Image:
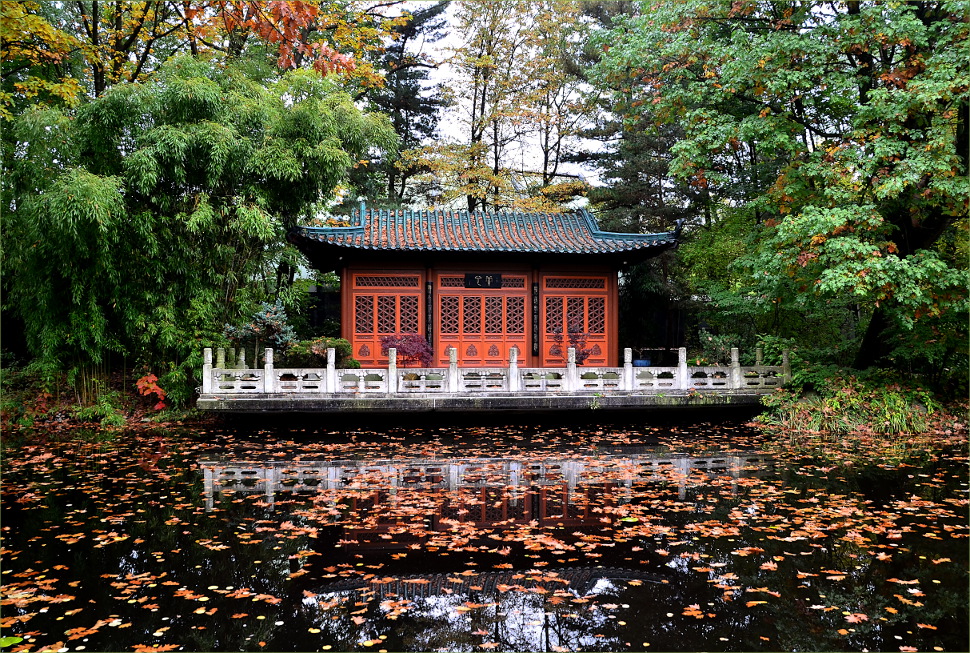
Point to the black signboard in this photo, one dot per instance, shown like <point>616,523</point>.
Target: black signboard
<point>483,280</point>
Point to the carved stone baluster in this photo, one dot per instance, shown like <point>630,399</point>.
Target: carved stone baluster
<point>453,378</point>
<point>514,381</point>
<point>269,376</point>
<point>207,370</point>
<point>627,369</point>
<point>391,370</point>
<point>683,374</point>
<point>330,382</point>
<point>735,381</point>
<point>571,382</point>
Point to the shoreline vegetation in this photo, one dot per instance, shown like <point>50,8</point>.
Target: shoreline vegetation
<point>858,411</point>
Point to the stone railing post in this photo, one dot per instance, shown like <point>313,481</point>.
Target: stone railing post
<point>269,377</point>
<point>206,370</point>
<point>391,370</point>
<point>330,383</point>
<point>452,369</point>
<point>571,380</point>
<point>759,356</point>
<point>514,385</point>
<point>735,369</point>
<point>683,374</point>
<point>220,358</point>
<point>627,369</point>
<point>241,359</point>
<point>785,366</point>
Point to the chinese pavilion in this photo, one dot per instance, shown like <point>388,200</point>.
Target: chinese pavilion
<point>483,282</point>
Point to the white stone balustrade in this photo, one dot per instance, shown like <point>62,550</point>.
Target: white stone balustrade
<point>222,379</point>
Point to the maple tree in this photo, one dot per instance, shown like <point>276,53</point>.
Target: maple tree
<point>332,37</point>
<point>849,123</point>
<point>32,51</point>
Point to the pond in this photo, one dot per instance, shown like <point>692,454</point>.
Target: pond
<point>603,537</point>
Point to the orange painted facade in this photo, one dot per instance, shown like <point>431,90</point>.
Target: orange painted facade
<point>484,311</point>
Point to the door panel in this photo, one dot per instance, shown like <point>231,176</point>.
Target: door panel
<point>483,325</point>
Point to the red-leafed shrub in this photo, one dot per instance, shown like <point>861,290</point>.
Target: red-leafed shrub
<point>148,385</point>
<point>411,348</point>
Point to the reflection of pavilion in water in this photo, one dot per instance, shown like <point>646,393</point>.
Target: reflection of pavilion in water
<point>477,490</point>
<point>583,581</point>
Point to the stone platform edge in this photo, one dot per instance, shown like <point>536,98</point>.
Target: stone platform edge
<point>265,403</point>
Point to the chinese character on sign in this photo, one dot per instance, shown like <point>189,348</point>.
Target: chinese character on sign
<point>474,280</point>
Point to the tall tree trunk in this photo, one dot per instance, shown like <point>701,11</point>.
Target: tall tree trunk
<point>873,347</point>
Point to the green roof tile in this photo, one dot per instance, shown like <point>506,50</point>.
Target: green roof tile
<point>492,231</point>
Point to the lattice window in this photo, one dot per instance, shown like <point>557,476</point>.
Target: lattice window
<point>449,314</point>
<point>493,315</point>
<point>496,506</point>
<point>553,314</point>
<point>386,314</point>
<point>451,282</point>
<point>364,314</point>
<point>386,281</point>
<point>513,282</point>
<point>471,315</point>
<point>409,314</point>
<point>573,283</point>
<point>515,315</point>
<point>596,318</point>
<point>575,318</point>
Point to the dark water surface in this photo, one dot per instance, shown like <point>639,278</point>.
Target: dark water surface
<point>591,537</point>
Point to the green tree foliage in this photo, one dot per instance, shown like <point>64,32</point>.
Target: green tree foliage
<point>408,97</point>
<point>840,127</point>
<point>34,53</point>
<point>638,194</point>
<point>132,224</point>
<point>514,105</point>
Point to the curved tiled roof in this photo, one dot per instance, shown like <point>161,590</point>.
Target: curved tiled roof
<point>481,231</point>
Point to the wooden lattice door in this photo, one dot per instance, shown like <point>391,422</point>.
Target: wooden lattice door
<point>574,314</point>
<point>483,325</point>
<point>383,305</point>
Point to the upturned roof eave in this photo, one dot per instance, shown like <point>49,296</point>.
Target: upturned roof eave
<point>327,256</point>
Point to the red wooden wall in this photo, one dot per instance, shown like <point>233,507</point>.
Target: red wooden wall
<point>484,323</point>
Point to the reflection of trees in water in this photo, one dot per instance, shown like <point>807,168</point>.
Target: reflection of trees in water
<point>540,611</point>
